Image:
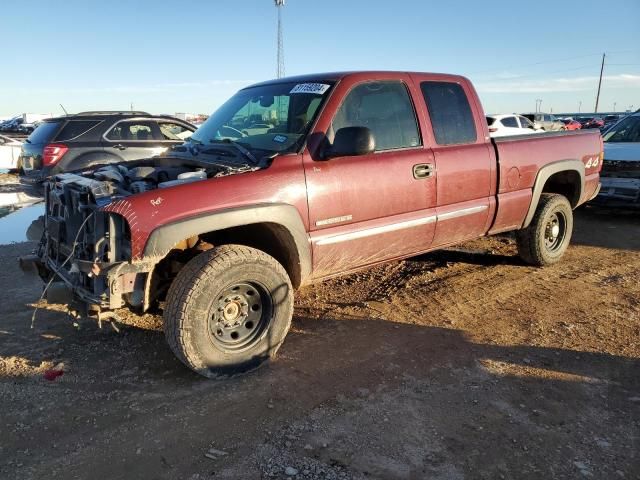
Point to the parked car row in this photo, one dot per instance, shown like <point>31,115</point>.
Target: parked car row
<point>515,124</point>
<point>12,125</point>
<point>24,123</point>
<point>79,141</point>
<point>526,123</point>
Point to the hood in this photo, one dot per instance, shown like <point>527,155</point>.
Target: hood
<point>624,151</point>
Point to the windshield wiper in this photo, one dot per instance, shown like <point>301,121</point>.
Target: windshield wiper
<point>246,153</point>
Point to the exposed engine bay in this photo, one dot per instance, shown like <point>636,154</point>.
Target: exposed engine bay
<point>120,180</point>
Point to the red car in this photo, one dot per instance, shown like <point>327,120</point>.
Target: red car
<point>595,122</point>
<point>571,124</point>
<point>357,169</point>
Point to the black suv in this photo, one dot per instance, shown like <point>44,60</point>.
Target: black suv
<point>79,141</point>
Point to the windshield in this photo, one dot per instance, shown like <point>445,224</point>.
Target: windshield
<point>271,118</point>
<point>627,130</point>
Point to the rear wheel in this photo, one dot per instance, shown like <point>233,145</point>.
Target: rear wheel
<point>546,239</point>
<point>228,310</point>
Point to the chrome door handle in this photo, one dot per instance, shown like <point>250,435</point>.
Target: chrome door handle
<point>423,170</point>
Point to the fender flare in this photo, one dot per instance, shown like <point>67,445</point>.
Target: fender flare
<point>541,179</point>
<point>165,237</point>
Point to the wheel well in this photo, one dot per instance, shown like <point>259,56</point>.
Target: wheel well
<point>565,183</point>
<point>271,238</point>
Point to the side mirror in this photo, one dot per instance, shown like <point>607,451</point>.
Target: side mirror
<point>351,142</point>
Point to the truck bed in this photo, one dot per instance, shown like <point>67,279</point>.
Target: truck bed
<point>519,158</point>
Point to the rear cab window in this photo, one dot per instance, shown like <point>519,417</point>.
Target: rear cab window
<point>385,108</point>
<point>44,132</point>
<point>451,116</point>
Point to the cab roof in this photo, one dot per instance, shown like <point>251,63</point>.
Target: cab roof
<point>336,76</point>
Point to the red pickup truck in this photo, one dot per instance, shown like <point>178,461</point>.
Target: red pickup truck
<point>293,181</point>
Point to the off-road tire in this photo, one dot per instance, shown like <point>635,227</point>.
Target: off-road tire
<point>534,243</point>
<point>198,290</point>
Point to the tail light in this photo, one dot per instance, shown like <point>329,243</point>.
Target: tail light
<point>493,129</point>
<point>53,153</point>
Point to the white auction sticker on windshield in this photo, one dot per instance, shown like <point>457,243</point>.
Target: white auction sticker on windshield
<point>314,88</point>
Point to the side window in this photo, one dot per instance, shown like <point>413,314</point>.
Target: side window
<point>75,128</point>
<point>386,109</point>
<point>525,122</point>
<point>174,131</point>
<point>510,122</point>
<point>450,113</point>
<point>133,131</point>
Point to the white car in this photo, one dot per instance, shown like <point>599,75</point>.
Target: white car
<point>620,176</point>
<point>505,125</point>
<point>9,153</point>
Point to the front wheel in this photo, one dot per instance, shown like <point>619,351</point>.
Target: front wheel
<point>546,239</point>
<point>228,310</point>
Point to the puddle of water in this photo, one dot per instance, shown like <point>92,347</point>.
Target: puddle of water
<point>15,221</point>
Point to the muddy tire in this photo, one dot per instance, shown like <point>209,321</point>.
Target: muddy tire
<point>545,240</point>
<point>228,310</point>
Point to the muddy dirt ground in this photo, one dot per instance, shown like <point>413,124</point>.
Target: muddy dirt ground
<point>461,364</point>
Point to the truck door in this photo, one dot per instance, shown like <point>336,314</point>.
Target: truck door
<point>464,162</point>
<point>374,207</point>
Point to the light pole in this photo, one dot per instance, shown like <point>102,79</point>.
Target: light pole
<point>614,107</point>
<point>579,105</point>
<point>538,104</point>
<point>280,49</point>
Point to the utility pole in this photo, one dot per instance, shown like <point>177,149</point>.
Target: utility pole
<point>599,84</point>
<point>280,68</point>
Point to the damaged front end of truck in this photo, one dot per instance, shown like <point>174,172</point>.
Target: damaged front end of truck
<point>85,253</point>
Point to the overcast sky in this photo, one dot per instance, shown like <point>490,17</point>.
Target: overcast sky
<point>189,56</point>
